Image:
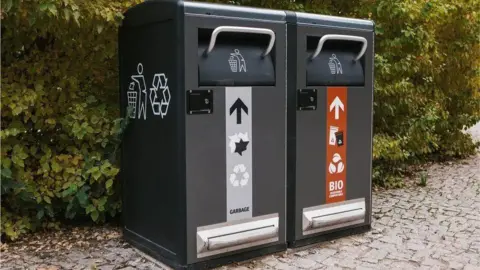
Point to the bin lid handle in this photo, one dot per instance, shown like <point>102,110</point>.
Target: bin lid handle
<point>239,29</point>
<point>341,37</point>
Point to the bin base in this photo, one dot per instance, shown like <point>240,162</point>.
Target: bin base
<point>165,257</point>
<point>329,236</point>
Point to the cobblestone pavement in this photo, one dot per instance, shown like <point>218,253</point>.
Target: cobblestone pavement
<point>431,227</point>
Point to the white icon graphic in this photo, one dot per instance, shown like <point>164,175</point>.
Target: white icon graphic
<point>240,176</point>
<point>335,65</point>
<point>160,83</point>
<point>332,140</point>
<point>237,62</point>
<point>137,95</point>
<point>336,165</point>
<point>139,83</point>
<point>337,104</point>
<point>236,139</point>
<point>132,99</point>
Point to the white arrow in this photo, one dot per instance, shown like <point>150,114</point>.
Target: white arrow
<point>337,105</point>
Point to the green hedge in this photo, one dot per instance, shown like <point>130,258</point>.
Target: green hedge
<point>61,125</point>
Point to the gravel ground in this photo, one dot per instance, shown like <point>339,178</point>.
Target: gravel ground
<point>431,227</point>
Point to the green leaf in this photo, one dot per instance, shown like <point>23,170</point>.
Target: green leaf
<point>66,185</point>
<point>102,201</point>
<point>47,199</point>
<point>105,166</point>
<point>114,171</point>
<point>6,163</point>
<point>94,215</point>
<point>91,99</point>
<point>93,170</point>
<point>94,119</point>
<point>40,214</point>
<point>33,150</point>
<point>109,183</point>
<point>45,166</point>
<point>43,6</point>
<point>6,172</point>
<point>90,208</point>
<point>69,213</point>
<point>10,232</point>
<point>82,197</point>
<point>53,9</point>
<point>96,175</point>
<point>66,193</point>
<point>49,211</point>
<point>18,162</point>
<point>68,189</point>
<point>73,187</point>
<point>56,167</point>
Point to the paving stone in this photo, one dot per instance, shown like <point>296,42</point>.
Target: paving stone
<point>105,267</point>
<point>392,239</point>
<point>334,268</point>
<point>415,246</point>
<point>391,248</point>
<point>330,262</point>
<point>374,255</point>
<point>455,265</point>
<point>239,268</point>
<point>302,253</point>
<point>304,263</point>
<point>348,263</point>
<point>285,266</point>
<point>421,255</point>
<point>471,267</point>
<point>403,265</point>
<point>270,261</point>
<point>367,266</point>
<point>322,254</point>
<point>400,255</point>
<point>432,263</point>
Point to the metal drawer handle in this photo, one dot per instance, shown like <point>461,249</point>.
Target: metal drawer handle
<point>238,29</point>
<point>341,37</point>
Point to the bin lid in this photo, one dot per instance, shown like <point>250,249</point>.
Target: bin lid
<point>151,11</point>
<point>234,11</point>
<point>335,21</point>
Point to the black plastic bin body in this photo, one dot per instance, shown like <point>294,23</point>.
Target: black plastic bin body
<point>330,100</point>
<point>203,158</point>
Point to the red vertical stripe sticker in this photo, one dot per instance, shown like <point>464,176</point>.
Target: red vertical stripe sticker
<point>336,165</point>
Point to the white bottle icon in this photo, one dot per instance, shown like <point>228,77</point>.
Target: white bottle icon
<point>332,140</point>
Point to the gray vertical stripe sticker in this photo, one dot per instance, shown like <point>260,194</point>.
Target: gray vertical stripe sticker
<point>238,107</point>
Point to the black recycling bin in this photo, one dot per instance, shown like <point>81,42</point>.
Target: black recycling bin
<point>204,156</point>
<point>330,101</point>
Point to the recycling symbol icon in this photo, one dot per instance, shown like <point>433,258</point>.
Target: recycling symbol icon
<point>240,176</point>
<point>160,84</point>
<point>336,165</point>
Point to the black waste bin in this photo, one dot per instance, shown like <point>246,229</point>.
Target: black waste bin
<point>203,159</point>
<point>330,100</point>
